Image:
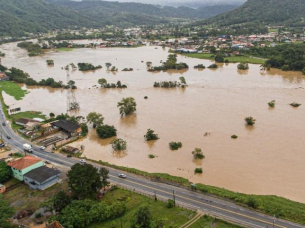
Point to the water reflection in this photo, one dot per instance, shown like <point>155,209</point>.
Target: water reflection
<point>129,120</point>
<point>242,72</point>
<point>119,154</point>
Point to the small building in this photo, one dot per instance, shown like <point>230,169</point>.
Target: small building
<point>30,126</point>
<point>2,188</point>
<point>71,128</point>
<point>24,121</point>
<point>41,178</point>
<point>4,77</point>
<point>24,165</point>
<point>70,149</point>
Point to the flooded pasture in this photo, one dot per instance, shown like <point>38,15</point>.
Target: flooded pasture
<point>267,158</point>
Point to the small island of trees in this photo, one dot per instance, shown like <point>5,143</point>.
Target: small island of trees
<point>213,66</point>
<point>150,135</point>
<point>171,84</point>
<point>50,62</point>
<point>104,84</point>
<point>33,49</point>
<point>199,66</point>
<point>243,66</point>
<point>171,63</point>
<point>87,66</point>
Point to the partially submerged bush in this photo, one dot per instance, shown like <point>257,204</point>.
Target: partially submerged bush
<point>197,153</point>
<point>175,145</point>
<point>234,136</point>
<point>271,104</point>
<point>295,104</point>
<point>198,170</point>
<point>250,120</point>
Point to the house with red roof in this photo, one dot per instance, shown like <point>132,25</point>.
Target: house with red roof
<point>24,165</point>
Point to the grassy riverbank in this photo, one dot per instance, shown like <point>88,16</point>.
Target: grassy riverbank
<point>173,217</point>
<point>268,204</point>
<point>12,89</point>
<point>206,221</point>
<point>232,59</point>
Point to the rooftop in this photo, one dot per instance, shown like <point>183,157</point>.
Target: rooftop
<point>67,125</point>
<point>41,174</point>
<point>24,162</point>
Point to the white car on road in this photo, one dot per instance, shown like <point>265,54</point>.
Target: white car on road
<point>121,175</point>
<point>83,160</point>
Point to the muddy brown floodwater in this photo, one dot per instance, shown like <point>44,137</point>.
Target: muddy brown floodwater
<point>267,158</point>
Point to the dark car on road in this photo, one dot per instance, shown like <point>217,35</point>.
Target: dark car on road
<point>69,156</point>
<point>3,124</point>
<point>8,137</point>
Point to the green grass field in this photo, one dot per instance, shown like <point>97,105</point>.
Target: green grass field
<point>65,49</point>
<point>13,89</point>
<point>233,59</point>
<point>206,221</point>
<point>174,217</point>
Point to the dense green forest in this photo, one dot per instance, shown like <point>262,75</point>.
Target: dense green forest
<point>32,16</point>
<point>114,11</point>
<point>285,57</point>
<point>18,17</point>
<point>266,12</point>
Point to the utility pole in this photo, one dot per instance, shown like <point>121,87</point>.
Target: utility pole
<point>273,221</point>
<point>174,197</point>
<point>155,196</point>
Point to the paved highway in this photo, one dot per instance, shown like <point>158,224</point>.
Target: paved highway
<point>193,200</point>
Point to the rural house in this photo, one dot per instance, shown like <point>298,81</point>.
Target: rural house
<point>24,165</point>
<point>41,178</point>
<point>71,128</point>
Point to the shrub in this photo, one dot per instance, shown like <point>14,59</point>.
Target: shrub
<point>234,136</point>
<point>250,120</point>
<point>271,104</point>
<point>213,66</point>
<point>295,104</point>
<point>151,156</point>
<point>199,66</point>
<point>198,170</point>
<point>150,135</point>
<point>243,66</point>
<point>145,97</point>
<point>197,153</point>
<point>119,144</point>
<point>106,131</point>
<point>175,145</point>
<point>227,61</point>
<point>170,203</point>
<point>219,59</point>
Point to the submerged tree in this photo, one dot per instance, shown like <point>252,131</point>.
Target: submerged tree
<point>127,106</point>
<point>119,145</point>
<point>150,135</point>
<point>197,153</point>
<point>250,120</point>
<point>95,118</point>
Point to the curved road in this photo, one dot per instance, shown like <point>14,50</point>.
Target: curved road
<point>210,205</point>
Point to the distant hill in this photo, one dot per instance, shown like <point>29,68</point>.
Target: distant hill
<point>20,16</point>
<point>267,12</point>
<point>112,10</point>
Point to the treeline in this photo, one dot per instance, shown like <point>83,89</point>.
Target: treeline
<point>285,57</point>
<point>20,76</point>
<point>33,49</point>
<point>87,66</point>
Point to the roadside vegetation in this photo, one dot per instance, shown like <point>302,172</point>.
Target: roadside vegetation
<point>207,221</point>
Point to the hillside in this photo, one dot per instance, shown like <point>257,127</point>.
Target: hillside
<point>31,16</point>
<point>112,10</point>
<point>267,12</point>
<point>18,17</point>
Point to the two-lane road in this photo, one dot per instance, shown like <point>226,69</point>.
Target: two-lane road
<point>197,201</point>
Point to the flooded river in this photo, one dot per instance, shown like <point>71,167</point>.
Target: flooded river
<point>267,158</point>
